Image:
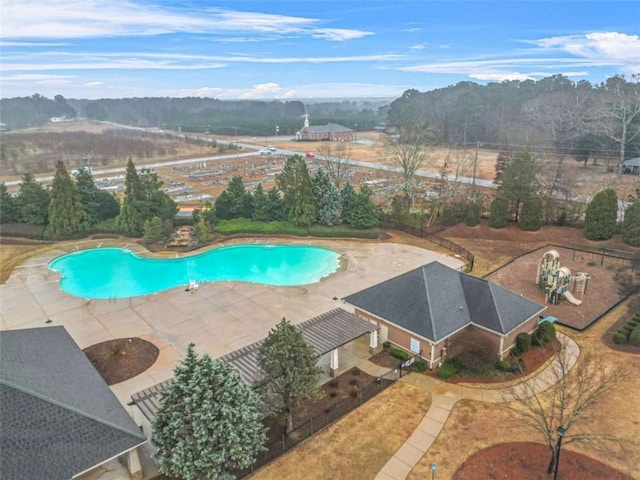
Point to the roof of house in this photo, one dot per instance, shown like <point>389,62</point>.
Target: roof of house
<point>632,162</point>
<point>434,301</point>
<point>59,418</point>
<point>328,128</point>
<point>324,333</point>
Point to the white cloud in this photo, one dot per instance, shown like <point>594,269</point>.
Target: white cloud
<point>98,18</point>
<point>263,90</point>
<point>93,84</point>
<point>418,46</point>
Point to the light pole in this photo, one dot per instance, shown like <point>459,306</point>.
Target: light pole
<point>433,471</point>
<point>555,458</point>
<point>277,130</point>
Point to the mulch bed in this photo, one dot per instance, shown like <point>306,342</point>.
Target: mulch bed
<point>529,461</point>
<point>533,359</point>
<point>121,359</point>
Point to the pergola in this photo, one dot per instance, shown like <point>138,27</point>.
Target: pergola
<point>325,333</point>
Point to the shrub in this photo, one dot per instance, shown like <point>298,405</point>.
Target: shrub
<point>386,345</point>
<point>475,358</point>
<point>523,342</point>
<point>448,370</point>
<point>503,366</point>
<point>343,231</point>
<point>499,216</point>
<point>333,384</point>
<point>546,333</point>
<point>601,216</point>
<point>620,338</point>
<point>354,393</point>
<point>515,352</point>
<point>472,218</point>
<point>517,366</point>
<point>531,215</point>
<point>399,354</point>
<point>634,338</point>
<point>420,365</point>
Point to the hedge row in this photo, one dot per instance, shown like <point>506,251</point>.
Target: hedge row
<point>243,225</point>
<point>629,333</point>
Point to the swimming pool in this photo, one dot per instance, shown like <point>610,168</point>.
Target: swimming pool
<point>104,273</point>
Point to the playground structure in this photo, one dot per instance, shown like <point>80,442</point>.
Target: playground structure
<point>556,280</point>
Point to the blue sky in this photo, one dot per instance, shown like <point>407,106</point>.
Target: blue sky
<point>304,48</point>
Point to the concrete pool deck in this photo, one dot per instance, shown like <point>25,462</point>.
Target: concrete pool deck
<point>218,318</point>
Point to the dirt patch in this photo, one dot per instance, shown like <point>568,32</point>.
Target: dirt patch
<point>529,461</point>
<point>121,359</point>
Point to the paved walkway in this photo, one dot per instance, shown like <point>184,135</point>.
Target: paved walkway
<point>443,397</point>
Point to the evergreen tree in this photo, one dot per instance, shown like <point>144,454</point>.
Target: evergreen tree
<point>295,184</point>
<point>275,205</point>
<point>154,231</point>
<point>400,208</point>
<point>32,201</point>
<point>446,215</point>
<point>600,219</point>
<point>289,372</point>
<point>153,200</point>
<point>363,212</point>
<point>472,217</point>
<point>347,193</point>
<point>531,215</point>
<point>631,225</point>
<point>98,204</point>
<point>209,214</point>
<point>499,216</point>
<point>67,217</point>
<point>208,423</point>
<point>223,206</point>
<point>131,219</point>
<point>240,202</point>
<point>519,180</point>
<point>202,232</point>
<point>327,199</point>
<point>261,212</point>
<point>8,209</point>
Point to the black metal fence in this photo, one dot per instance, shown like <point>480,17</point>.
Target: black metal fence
<point>331,414</point>
<point>422,232</point>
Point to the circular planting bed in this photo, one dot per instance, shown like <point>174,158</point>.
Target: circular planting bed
<point>529,461</point>
<point>121,359</point>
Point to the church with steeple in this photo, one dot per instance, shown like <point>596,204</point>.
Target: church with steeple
<point>328,132</point>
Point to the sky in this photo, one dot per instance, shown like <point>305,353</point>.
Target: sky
<point>288,49</point>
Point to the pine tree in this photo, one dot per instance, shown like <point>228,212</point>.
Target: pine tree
<point>67,217</point>
<point>519,180</point>
<point>327,199</point>
<point>631,225</point>
<point>32,201</point>
<point>275,205</point>
<point>347,194</point>
<point>289,372</point>
<point>208,423</point>
<point>153,231</point>
<point>600,219</point>
<point>261,211</point>
<point>531,215</point>
<point>363,212</point>
<point>295,184</point>
<point>98,204</point>
<point>8,208</point>
<point>499,216</point>
<point>131,221</point>
<point>472,217</point>
<point>240,204</point>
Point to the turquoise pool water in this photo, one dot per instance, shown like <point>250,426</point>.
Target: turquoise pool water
<point>117,273</point>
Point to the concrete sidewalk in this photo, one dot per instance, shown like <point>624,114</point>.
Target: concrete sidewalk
<point>443,397</point>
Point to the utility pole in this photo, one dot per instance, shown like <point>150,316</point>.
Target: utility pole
<point>475,163</point>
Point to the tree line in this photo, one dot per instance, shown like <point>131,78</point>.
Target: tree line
<point>195,114</point>
<point>552,116</point>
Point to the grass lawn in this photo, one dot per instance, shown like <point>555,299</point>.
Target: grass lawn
<point>358,445</point>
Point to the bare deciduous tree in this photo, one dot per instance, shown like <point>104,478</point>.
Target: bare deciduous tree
<point>336,157</point>
<point>579,383</point>
<point>409,151</point>
<point>616,115</point>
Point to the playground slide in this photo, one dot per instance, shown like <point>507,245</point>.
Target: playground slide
<point>571,299</point>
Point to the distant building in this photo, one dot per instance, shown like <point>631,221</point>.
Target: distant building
<point>631,166</point>
<point>330,131</point>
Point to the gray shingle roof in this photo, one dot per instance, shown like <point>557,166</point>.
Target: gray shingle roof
<point>59,418</point>
<point>328,128</point>
<point>435,301</point>
<point>324,333</point>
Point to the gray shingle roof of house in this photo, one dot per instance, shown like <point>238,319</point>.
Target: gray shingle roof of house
<point>324,333</point>
<point>59,418</point>
<point>328,128</point>
<point>632,162</point>
<point>435,301</point>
